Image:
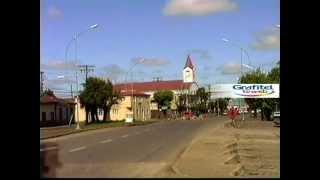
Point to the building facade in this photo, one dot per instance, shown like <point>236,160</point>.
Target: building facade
<point>136,105</point>
<point>187,85</point>
<point>55,111</point>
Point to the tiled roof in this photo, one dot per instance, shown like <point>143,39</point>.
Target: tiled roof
<point>48,99</point>
<point>152,86</point>
<point>53,99</point>
<point>135,94</point>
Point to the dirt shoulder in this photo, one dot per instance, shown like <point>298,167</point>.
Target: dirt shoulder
<point>251,151</point>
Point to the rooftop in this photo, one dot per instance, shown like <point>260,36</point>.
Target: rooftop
<point>139,87</point>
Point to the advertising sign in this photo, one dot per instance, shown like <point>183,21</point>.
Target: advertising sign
<point>246,91</point>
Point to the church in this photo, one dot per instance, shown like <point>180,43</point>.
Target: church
<point>137,96</point>
<point>187,84</point>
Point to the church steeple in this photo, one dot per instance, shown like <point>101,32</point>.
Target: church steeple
<point>189,63</point>
<point>188,71</point>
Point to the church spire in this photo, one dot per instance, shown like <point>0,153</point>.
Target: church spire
<point>189,63</point>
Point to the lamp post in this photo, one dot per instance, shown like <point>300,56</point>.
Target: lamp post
<point>75,40</point>
<point>241,64</point>
<point>130,69</point>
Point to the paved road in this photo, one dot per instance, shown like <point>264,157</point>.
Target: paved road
<point>140,151</point>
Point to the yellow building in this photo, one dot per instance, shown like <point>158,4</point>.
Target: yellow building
<point>135,105</point>
<point>187,85</point>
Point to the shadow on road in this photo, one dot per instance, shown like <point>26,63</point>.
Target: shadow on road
<point>49,160</point>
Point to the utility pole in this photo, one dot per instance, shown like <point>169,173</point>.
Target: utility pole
<point>41,82</point>
<point>86,69</point>
<point>71,91</point>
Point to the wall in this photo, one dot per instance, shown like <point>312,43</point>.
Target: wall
<point>48,108</point>
<point>81,112</point>
<point>140,111</point>
<point>119,111</point>
<point>141,108</point>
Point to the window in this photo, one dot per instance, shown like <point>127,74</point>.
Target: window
<point>44,118</point>
<point>60,114</point>
<point>67,114</point>
<point>52,116</point>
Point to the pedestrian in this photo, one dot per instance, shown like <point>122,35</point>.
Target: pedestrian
<point>231,115</point>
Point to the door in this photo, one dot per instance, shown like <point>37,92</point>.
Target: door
<point>67,115</point>
<point>60,114</point>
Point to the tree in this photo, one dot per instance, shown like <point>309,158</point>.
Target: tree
<point>202,99</point>
<point>98,93</point>
<point>109,98</point>
<point>222,103</point>
<point>181,103</point>
<point>211,105</point>
<point>163,99</point>
<point>47,92</point>
<point>266,104</point>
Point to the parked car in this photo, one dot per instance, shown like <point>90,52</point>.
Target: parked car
<point>276,117</point>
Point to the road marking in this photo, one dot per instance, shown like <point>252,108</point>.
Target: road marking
<point>124,136</point>
<point>78,149</point>
<point>49,148</point>
<point>106,141</point>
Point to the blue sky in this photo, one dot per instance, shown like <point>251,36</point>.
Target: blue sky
<point>162,31</point>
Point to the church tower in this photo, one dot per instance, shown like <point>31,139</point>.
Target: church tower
<point>189,71</point>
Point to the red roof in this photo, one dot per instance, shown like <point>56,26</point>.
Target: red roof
<point>134,94</point>
<point>48,99</point>
<point>53,99</point>
<point>189,63</point>
<point>153,86</point>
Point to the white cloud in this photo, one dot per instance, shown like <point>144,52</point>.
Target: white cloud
<point>151,62</point>
<point>267,40</point>
<point>207,68</point>
<point>203,54</point>
<point>234,68</point>
<point>198,7</point>
<point>61,81</point>
<point>59,65</point>
<point>55,13</point>
<point>113,72</point>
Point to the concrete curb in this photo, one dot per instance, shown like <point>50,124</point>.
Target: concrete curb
<point>56,127</point>
<point>89,129</point>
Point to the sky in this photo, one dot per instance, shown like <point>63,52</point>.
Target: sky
<point>163,32</point>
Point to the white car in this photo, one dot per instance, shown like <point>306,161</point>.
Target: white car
<point>276,117</point>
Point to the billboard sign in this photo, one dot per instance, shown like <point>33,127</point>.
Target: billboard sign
<point>246,91</point>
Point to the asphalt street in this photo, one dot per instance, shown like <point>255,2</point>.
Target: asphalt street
<point>139,151</point>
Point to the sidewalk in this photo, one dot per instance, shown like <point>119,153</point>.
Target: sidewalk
<point>251,151</point>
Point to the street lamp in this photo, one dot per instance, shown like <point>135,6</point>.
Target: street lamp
<point>141,60</point>
<point>75,40</point>
<point>242,50</point>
